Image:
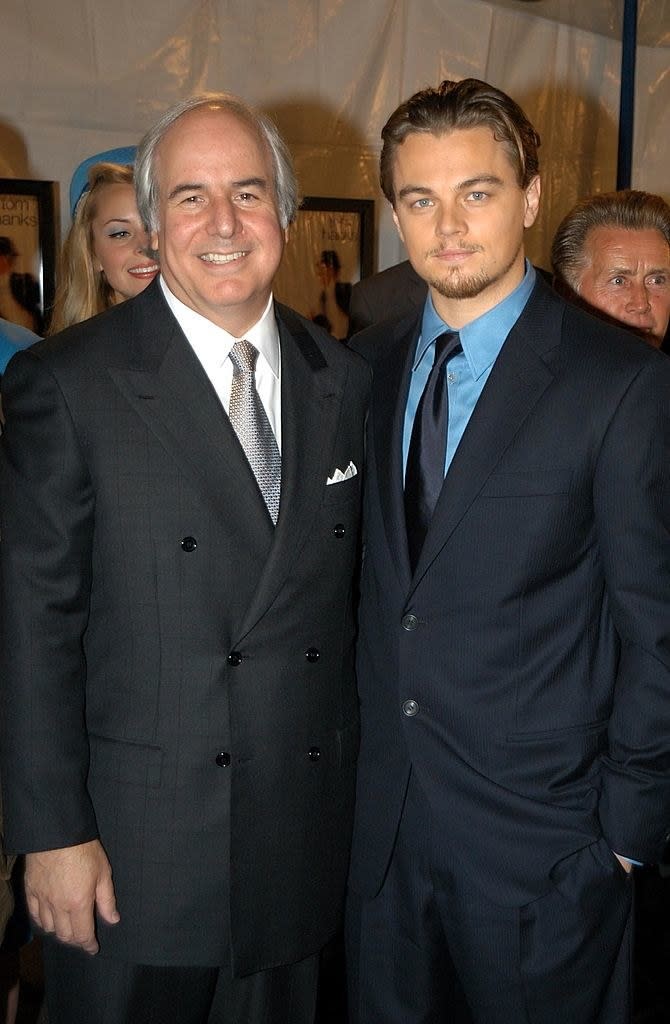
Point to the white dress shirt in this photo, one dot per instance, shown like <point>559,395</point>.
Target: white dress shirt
<point>212,346</point>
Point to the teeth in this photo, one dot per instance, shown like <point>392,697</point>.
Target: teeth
<point>221,257</point>
<point>143,271</point>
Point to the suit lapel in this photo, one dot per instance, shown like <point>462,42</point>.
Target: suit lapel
<point>392,376</point>
<point>517,381</point>
<point>171,392</point>
<point>312,399</point>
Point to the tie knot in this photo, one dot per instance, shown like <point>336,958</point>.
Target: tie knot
<point>244,356</point>
<point>445,345</point>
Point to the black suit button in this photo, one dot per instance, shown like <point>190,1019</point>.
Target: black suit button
<point>314,753</point>
<point>234,659</point>
<point>409,622</point>
<point>223,759</point>
<point>339,530</point>
<point>189,544</point>
<point>312,654</point>
<point>410,708</point>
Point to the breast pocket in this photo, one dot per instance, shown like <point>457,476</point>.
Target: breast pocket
<point>343,491</point>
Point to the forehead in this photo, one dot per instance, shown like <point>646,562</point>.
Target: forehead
<point>114,196</point>
<point>468,151</point>
<point>609,245</point>
<point>212,141</point>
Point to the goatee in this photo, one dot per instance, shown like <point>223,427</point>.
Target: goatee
<point>455,285</point>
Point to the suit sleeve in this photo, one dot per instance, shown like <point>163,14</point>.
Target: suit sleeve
<point>632,514</point>
<point>46,510</point>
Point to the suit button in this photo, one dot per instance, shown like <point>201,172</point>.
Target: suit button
<point>410,708</point>
<point>314,753</point>
<point>339,530</point>
<point>234,659</point>
<point>189,544</point>
<point>312,654</point>
<point>223,759</point>
<point>409,622</point>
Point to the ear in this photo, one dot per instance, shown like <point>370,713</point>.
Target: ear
<point>154,240</point>
<point>397,224</point>
<point>287,233</point>
<point>533,192</point>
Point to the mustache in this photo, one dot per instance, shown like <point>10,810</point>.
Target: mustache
<point>440,250</point>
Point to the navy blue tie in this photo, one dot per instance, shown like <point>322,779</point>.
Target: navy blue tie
<point>424,473</point>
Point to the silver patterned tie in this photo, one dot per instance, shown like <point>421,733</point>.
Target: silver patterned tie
<point>252,426</point>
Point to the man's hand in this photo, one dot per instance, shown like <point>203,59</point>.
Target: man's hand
<point>65,887</point>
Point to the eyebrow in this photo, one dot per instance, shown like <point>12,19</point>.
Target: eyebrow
<point>629,271</point>
<point>198,186</point>
<point>479,179</point>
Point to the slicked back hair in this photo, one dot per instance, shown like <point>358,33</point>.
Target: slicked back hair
<point>470,103</point>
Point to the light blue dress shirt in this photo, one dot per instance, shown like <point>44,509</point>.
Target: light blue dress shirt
<point>467,371</point>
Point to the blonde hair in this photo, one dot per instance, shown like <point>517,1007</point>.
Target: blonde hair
<point>82,290</point>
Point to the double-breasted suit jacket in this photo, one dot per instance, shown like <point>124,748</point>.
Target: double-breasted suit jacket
<point>177,674</point>
<point>523,670</point>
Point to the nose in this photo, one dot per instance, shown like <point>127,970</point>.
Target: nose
<point>638,298</point>
<point>223,216</point>
<point>449,219</point>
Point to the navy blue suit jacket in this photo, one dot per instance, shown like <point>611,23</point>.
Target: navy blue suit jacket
<point>534,635</point>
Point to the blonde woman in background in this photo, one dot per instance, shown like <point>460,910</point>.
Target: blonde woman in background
<point>104,258</point>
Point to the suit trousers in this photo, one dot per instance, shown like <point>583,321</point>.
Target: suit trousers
<point>83,989</point>
<point>433,948</point>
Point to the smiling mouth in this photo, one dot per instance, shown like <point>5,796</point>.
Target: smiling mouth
<point>145,271</point>
<point>222,257</point>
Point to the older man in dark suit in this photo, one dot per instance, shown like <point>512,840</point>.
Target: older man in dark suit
<point>180,501</point>
<point>514,662</point>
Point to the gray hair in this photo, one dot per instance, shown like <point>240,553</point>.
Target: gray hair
<point>629,209</point>
<point>285,183</point>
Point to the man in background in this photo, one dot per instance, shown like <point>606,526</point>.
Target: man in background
<point>514,656</point>
<point>612,253</point>
<point>180,500</point>
<point>385,296</point>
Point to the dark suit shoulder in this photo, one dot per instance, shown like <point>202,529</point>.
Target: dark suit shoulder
<point>569,338</point>
<point>387,339</point>
<point>401,275</point>
<point>332,352</point>
<point>608,342</point>
<point>108,336</point>
<point>391,293</point>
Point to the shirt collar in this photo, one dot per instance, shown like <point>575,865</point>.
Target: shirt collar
<point>212,344</point>
<point>482,338</point>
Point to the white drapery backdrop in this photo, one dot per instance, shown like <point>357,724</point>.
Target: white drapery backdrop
<point>80,76</point>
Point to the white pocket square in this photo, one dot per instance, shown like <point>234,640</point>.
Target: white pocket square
<point>341,475</point>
